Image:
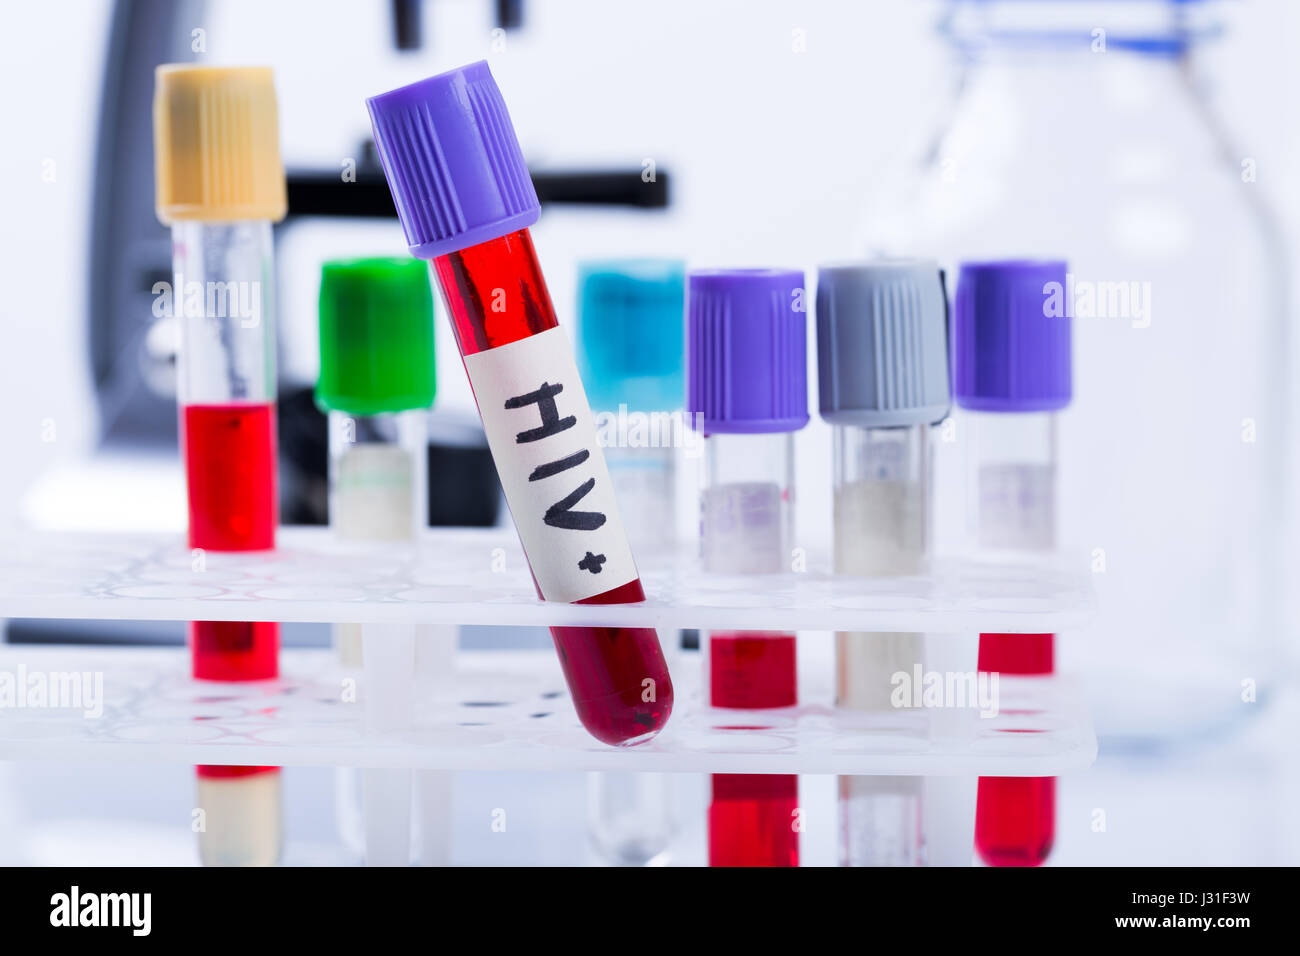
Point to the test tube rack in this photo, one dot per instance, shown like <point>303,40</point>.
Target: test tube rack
<point>507,710</point>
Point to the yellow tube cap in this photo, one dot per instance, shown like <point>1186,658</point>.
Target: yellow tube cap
<point>217,144</point>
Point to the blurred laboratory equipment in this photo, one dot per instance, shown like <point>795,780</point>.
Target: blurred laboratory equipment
<point>1082,130</point>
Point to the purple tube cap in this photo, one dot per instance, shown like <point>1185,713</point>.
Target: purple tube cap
<point>452,161</point>
<point>747,350</point>
<point>1011,338</point>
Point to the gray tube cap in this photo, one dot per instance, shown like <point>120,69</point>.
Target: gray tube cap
<point>882,343</point>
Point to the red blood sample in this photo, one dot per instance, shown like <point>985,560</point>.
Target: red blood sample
<point>1015,820</point>
<point>749,669</point>
<point>1015,817</point>
<point>617,676</point>
<point>234,650</point>
<point>230,479</point>
<point>751,816</point>
<point>752,819</point>
<point>230,475</point>
<point>1024,654</point>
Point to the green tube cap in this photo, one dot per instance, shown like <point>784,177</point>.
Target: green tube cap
<point>376,336</point>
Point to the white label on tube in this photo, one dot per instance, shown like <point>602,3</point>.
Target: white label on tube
<point>543,440</point>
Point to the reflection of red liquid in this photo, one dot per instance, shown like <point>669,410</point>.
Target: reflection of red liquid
<point>617,676</point>
<point>752,670</point>
<point>1015,817</point>
<point>752,819</point>
<point>230,475</point>
<point>234,650</point>
<point>230,478</point>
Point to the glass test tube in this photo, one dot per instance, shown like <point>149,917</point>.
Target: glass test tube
<point>226,391</point>
<point>746,527</point>
<point>882,382</point>
<point>377,487</point>
<point>466,203</point>
<point>220,185</point>
<point>1013,478</point>
<point>1012,374</point>
<point>747,387</point>
<point>606,667</point>
<point>377,381</point>
<point>881,529</point>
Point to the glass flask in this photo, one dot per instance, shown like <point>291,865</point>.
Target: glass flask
<point>1080,130</point>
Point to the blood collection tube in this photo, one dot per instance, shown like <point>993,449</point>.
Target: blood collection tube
<point>883,381</point>
<point>220,186</point>
<point>465,201</point>
<point>376,385</point>
<point>748,393</point>
<point>1012,376</point>
<point>629,347</point>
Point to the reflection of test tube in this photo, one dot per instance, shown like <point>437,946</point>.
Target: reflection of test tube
<point>220,185</point>
<point>376,384</point>
<point>630,355</point>
<point>748,393</point>
<point>883,380</point>
<point>629,346</point>
<point>1012,375</point>
<point>465,201</point>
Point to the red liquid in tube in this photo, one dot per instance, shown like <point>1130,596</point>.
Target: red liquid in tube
<point>1015,817</point>
<point>752,670</point>
<point>229,452</point>
<point>234,650</point>
<point>230,475</point>
<point>752,820</point>
<point>752,816</point>
<point>495,294</point>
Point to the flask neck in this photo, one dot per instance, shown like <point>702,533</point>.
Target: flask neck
<point>1153,28</point>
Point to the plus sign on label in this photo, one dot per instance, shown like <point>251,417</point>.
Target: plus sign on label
<point>543,439</point>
